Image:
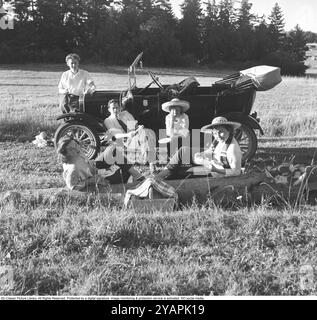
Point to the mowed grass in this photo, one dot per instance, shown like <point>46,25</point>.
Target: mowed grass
<point>94,248</point>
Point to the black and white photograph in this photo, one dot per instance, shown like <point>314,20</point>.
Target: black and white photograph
<point>158,150</point>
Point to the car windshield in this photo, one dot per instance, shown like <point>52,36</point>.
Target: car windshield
<point>131,71</point>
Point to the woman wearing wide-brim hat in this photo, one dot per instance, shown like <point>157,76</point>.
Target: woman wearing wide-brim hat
<point>177,123</point>
<point>222,159</point>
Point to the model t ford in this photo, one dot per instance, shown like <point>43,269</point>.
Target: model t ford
<point>231,97</point>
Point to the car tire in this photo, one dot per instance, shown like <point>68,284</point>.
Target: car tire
<point>248,142</point>
<point>85,135</point>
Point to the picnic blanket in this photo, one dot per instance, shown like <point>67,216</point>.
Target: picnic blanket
<point>143,190</point>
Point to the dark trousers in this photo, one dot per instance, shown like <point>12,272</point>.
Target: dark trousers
<point>183,156</point>
<point>68,103</point>
<point>175,144</point>
<point>105,160</point>
<point>178,164</point>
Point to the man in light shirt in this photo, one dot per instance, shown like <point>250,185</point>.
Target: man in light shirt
<point>74,83</point>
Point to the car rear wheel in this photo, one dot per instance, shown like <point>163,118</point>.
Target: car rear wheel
<point>87,137</point>
<point>248,142</point>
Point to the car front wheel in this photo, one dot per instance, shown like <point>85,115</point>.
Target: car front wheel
<point>87,137</point>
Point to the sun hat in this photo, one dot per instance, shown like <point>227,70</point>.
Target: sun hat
<point>219,121</point>
<point>175,103</point>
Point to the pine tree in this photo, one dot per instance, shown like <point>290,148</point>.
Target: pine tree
<point>311,36</point>
<point>163,5</point>
<point>147,8</point>
<point>296,43</point>
<point>245,33</point>
<point>157,35</point>
<point>210,23</point>
<point>262,40</point>
<point>226,14</point>
<point>227,40</point>
<point>276,28</point>
<point>245,17</point>
<point>190,28</point>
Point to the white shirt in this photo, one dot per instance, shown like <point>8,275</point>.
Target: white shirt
<point>181,124</point>
<point>75,84</point>
<point>234,156</point>
<point>75,174</point>
<point>113,126</point>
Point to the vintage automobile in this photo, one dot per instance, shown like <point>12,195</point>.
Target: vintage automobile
<point>232,97</point>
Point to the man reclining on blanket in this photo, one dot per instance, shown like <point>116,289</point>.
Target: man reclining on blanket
<point>222,160</point>
<point>80,173</point>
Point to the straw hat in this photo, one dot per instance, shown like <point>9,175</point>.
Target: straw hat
<point>219,121</point>
<point>175,103</point>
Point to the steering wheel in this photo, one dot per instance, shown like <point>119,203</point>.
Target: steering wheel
<point>155,80</point>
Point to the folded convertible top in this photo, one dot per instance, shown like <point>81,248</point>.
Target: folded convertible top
<point>261,78</point>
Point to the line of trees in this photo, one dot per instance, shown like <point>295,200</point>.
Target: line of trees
<point>214,33</point>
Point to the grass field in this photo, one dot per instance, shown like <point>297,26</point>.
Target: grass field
<point>98,249</point>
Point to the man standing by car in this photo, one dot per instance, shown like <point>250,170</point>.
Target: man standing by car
<point>73,84</point>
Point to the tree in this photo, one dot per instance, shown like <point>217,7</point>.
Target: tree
<point>245,17</point>
<point>311,36</point>
<point>157,36</point>
<point>190,29</point>
<point>296,43</point>
<point>245,32</point>
<point>227,40</point>
<point>159,43</point>
<point>226,14</point>
<point>262,40</point>
<point>210,23</point>
<point>276,28</point>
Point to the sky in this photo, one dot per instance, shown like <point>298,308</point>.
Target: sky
<point>301,12</point>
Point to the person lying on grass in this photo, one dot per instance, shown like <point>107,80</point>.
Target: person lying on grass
<point>74,83</point>
<point>224,159</point>
<point>80,173</point>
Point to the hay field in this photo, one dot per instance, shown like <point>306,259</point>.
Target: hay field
<point>62,248</point>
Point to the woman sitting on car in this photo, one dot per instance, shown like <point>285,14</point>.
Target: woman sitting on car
<point>74,83</point>
<point>124,132</point>
<point>222,159</point>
